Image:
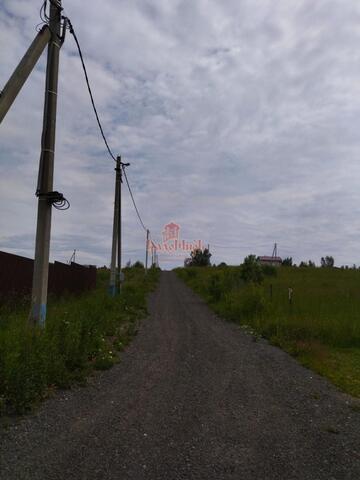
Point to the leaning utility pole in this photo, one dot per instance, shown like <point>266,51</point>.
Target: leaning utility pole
<point>147,250</point>
<point>23,70</point>
<point>46,171</point>
<point>117,215</point>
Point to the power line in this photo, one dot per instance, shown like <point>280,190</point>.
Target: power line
<point>132,198</point>
<point>71,28</point>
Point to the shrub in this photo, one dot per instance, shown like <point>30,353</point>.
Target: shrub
<point>269,270</point>
<point>245,303</point>
<point>215,288</point>
<point>251,270</point>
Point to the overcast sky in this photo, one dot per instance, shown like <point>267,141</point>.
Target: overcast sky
<point>240,119</point>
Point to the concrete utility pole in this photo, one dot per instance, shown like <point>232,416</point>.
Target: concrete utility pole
<point>46,172</point>
<point>117,215</point>
<point>115,273</point>
<point>23,70</point>
<point>118,159</point>
<point>147,250</point>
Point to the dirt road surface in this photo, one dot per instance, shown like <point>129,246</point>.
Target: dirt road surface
<point>194,397</point>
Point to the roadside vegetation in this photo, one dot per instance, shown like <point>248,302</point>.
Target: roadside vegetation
<point>317,320</point>
<point>81,333</point>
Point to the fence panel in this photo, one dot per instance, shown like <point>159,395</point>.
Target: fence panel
<point>16,276</point>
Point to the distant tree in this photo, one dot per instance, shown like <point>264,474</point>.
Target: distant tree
<point>199,258</point>
<point>287,262</point>
<point>310,263</point>
<point>138,264</point>
<point>328,261</point>
<point>128,264</point>
<point>251,270</point>
<point>222,264</point>
<point>187,262</point>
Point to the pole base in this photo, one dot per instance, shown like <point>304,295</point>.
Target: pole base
<point>112,290</point>
<point>38,314</point>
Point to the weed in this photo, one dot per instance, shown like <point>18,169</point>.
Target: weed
<point>79,334</point>
<point>320,327</point>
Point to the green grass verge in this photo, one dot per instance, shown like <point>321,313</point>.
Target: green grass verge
<point>81,333</point>
<point>321,327</point>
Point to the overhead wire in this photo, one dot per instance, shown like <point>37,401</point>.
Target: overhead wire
<point>45,19</point>
<point>72,31</point>
<point>133,200</point>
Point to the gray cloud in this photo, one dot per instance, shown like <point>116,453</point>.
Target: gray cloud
<point>239,119</point>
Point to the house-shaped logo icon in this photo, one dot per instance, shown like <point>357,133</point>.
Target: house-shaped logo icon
<point>171,232</point>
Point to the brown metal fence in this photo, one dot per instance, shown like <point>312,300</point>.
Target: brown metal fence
<point>16,276</point>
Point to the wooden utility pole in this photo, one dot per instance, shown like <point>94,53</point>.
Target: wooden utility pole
<point>46,172</point>
<point>115,239</point>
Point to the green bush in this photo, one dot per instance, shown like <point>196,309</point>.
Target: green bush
<point>251,270</point>
<point>269,270</point>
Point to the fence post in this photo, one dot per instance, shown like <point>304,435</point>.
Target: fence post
<point>290,295</point>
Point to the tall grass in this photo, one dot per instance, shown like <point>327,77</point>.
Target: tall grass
<point>323,319</point>
<point>81,333</point>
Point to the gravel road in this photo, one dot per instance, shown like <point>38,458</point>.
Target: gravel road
<point>194,397</point>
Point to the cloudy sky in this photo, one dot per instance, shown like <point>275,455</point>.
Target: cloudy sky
<point>240,119</point>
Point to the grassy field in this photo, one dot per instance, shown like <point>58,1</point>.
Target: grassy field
<point>321,326</point>
<point>82,333</point>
